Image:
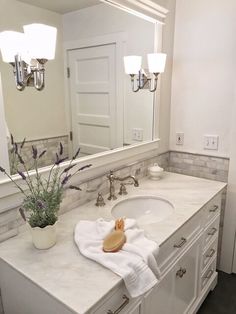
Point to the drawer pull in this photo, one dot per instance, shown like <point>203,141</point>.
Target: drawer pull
<point>120,308</point>
<point>212,252</point>
<point>214,209</point>
<point>181,272</point>
<point>209,274</point>
<point>181,243</point>
<point>212,232</point>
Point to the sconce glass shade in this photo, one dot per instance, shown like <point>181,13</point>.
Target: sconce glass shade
<point>11,44</point>
<point>156,62</point>
<point>132,64</point>
<point>41,40</point>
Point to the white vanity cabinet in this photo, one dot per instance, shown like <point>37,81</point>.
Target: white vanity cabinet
<point>55,282</point>
<point>188,264</point>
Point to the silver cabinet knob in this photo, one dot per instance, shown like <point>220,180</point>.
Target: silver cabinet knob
<point>181,272</point>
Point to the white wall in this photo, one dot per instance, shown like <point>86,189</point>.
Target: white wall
<point>30,113</point>
<point>166,77</point>
<point>104,19</point>
<point>203,73</point>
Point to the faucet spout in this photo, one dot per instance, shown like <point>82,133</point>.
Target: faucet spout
<point>135,181</point>
<point>112,178</point>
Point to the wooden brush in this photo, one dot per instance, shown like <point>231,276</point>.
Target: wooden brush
<point>116,239</point>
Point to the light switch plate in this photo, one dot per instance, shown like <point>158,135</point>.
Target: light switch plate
<point>179,138</point>
<point>211,142</point>
<point>137,134</point>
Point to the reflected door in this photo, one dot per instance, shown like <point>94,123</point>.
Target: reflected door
<point>93,98</point>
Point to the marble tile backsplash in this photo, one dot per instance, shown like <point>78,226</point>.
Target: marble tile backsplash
<point>208,167</point>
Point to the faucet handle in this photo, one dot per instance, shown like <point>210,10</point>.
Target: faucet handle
<point>100,200</point>
<point>123,190</point>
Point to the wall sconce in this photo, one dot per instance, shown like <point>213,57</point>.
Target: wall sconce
<point>28,52</point>
<point>133,66</point>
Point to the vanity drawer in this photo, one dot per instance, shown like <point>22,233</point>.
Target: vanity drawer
<point>213,208</point>
<point>177,243</point>
<point>119,301</point>
<point>211,231</point>
<point>209,254</point>
<point>208,275</point>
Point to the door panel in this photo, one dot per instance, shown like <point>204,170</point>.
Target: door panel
<point>186,280</point>
<point>160,299</point>
<point>93,98</point>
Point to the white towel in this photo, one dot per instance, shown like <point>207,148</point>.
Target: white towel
<point>135,262</point>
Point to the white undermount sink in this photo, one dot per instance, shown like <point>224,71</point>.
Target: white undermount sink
<point>145,209</point>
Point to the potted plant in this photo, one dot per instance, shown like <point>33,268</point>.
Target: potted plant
<point>42,195</point>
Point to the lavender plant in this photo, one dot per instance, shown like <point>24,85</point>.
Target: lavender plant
<point>42,196</point>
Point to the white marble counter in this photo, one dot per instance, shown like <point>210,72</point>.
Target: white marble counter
<point>80,283</point>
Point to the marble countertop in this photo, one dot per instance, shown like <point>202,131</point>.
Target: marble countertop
<point>80,283</point>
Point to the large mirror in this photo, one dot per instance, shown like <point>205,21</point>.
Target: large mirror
<point>87,100</point>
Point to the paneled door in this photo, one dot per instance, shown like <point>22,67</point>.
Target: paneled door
<point>93,98</point>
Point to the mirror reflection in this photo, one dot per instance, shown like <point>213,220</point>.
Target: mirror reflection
<point>87,101</point>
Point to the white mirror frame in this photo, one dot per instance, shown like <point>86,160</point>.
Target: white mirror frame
<point>4,158</point>
<point>101,162</point>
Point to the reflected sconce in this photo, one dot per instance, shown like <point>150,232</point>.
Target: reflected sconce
<point>133,67</point>
<point>28,52</point>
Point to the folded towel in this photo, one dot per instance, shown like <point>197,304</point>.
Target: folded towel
<point>135,262</point>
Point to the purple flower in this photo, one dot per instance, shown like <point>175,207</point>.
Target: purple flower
<point>22,175</point>
<point>16,148</point>
<point>84,167</point>
<point>76,154</point>
<point>23,143</point>
<point>34,152</point>
<point>65,180</point>
<point>20,159</point>
<point>12,140</point>
<point>58,161</point>
<point>43,152</point>
<point>69,168</point>
<point>39,204</point>
<point>73,187</point>
<point>61,149</point>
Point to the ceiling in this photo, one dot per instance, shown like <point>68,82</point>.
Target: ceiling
<point>62,6</point>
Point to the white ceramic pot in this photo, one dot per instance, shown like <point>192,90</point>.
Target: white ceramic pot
<point>155,172</point>
<point>44,238</point>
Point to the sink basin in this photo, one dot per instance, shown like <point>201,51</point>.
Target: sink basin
<point>145,209</point>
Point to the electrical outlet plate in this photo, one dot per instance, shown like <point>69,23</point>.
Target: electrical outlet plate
<point>137,134</point>
<point>179,138</point>
<point>211,142</point>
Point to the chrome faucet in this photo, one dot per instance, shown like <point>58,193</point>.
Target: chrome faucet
<point>112,178</point>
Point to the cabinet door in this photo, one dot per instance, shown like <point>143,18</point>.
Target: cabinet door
<point>186,279</point>
<point>160,299</point>
<point>135,310</point>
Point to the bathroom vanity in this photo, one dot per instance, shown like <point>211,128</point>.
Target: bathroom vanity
<point>62,281</point>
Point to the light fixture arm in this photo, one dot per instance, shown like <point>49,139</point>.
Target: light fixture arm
<point>29,75</point>
<point>19,72</point>
<point>39,74</point>
<point>135,90</point>
<point>143,80</point>
<point>154,88</point>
